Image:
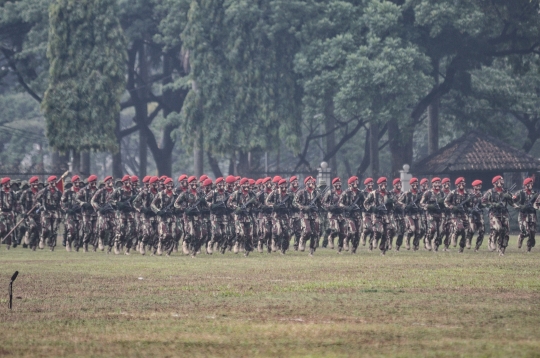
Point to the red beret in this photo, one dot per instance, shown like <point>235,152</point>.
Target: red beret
<point>282,181</point>
<point>219,180</point>
<point>476,182</point>
<point>258,181</point>
<point>276,179</point>
<point>495,179</point>
<point>191,178</point>
<point>126,178</point>
<point>146,179</point>
<point>35,179</point>
<point>381,180</point>
<point>163,177</point>
<point>423,181</point>
<point>153,180</point>
<point>336,180</point>
<point>203,177</point>
<point>230,179</point>
<point>459,180</point>
<point>266,180</point>
<point>527,181</point>
<point>182,177</point>
<point>352,179</point>
<point>293,178</point>
<point>435,179</point>
<point>167,181</point>
<point>308,178</point>
<point>207,182</point>
<point>243,181</point>
<point>251,182</point>
<point>74,178</point>
<point>238,178</point>
<point>396,181</point>
<point>413,180</point>
<point>368,180</point>
<point>134,178</point>
<point>5,180</point>
<point>51,178</point>
<point>445,180</point>
<point>107,178</point>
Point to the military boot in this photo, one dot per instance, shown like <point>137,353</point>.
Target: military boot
<point>434,246</point>
<point>127,251</point>
<point>117,249</point>
<point>427,244</point>
<point>68,246</point>
<point>142,249</point>
<point>41,244</point>
<point>346,244</point>
<point>520,240</point>
<point>363,240</point>
<point>301,245</point>
<point>260,247</point>
<point>330,242</point>
<point>274,246</point>
<point>236,247</point>
<point>159,249</point>
<point>100,245</point>
<point>185,249</point>
<point>209,247</point>
<point>311,251</point>
<point>408,243</point>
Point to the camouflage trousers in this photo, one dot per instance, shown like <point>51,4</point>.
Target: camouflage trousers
<point>124,230</point>
<point>32,229</point>
<point>72,226</point>
<point>460,228</point>
<point>434,231</point>
<point>105,228</point>
<point>195,231</point>
<point>6,224</point>
<point>527,229</point>
<point>266,230</point>
<point>338,228</point>
<point>243,235</point>
<point>413,230</point>
<point>281,232</point>
<point>165,227</point>
<point>296,228</point>
<point>476,220</point>
<point>89,231</point>
<point>148,229</point>
<point>446,229</point>
<point>219,231</point>
<point>400,229</point>
<point>310,231</point>
<point>49,227</point>
<point>354,225</point>
<point>367,228</point>
<point>499,230</point>
<point>383,227</point>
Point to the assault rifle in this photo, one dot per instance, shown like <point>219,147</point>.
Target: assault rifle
<point>281,205</point>
<point>193,209</point>
<point>321,195</point>
<point>106,209</point>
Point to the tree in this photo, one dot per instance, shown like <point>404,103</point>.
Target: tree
<point>86,78</point>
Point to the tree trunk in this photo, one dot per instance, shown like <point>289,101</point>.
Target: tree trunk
<point>141,108</point>
<point>401,147</point>
<point>243,164</point>
<point>374,149</point>
<point>60,162</point>
<point>365,160</point>
<point>85,163</point>
<point>232,165</point>
<point>433,114</point>
<point>76,162</point>
<point>331,137</point>
<point>198,155</point>
<point>214,165</point>
<point>117,157</point>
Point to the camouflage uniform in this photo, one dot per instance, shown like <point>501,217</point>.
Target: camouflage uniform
<point>399,219</point>
<point>124,230</point>
<point>525,202</point>
<point>410,202</point>
<point>72,209</point>
<point>8,207</point>
<point>458,203</point>
<point>266,222</point>
<point>142,203</point>
<point>219,217</point>
<point>430,203</point>
<point>295,225</point>
<point>89,216</point>
<point>352,213</point>
<point>242,202</point>
<point>105,221</point>
<point>192,202</point>
<point>163,206</point>
<point>281,204</point>
<point>447,222</point>
<point>49,199</point>
<point>19,231</point>
<point>367,225</point>
<point>476,218</point>
<point>31,220</point>
<point>308,202</point>
<point>498,218</point>
<point>375,203</point>
<point>335,218</point>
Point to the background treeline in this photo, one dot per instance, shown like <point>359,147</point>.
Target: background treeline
<point>245,86</point>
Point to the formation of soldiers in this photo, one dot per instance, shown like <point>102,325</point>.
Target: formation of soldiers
<point>241,214</point>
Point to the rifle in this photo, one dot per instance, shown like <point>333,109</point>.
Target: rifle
<point>194,207</point>
<point>107,208</point>
<point>281,205</point>
<point>321,195</point>
<point>354,206</point>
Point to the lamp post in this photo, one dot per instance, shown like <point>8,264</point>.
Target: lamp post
<point>405,176</point>
<point>324,176</point>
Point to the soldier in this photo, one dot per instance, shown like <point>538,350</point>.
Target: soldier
<point>410,201</point>
<point>367,226</point>
<point>308,201</point>
<point>335,216</point>
<point>458,203</point>
<point>180,232</point>
<point>17,233</point>
<point>219,216</point>
<point>446,220</point>
<point>89,215</point>
<point>497,200</point>
<point>49,199</point>
<point>105,211</point>
<point>163,206</point>
<point>477,214</point>
<point>142,203</point>
<point>135,184</point>
<point>423,213</point>
<point>8,206</point>
<point>206,229</point>
<point>280,200</point>
<point>29,208</point>
<point>377,203</point>
<point>72,208</point>
<point>242,201</point>
<point>525,201</point>
<point>231,185</point>
<point>399,219</point>
<point>124,232</point>
<point>431,203</point>
<point>352,213</point>
<point>296,226</point>
<point>265,217</point>
<point>192,201</point>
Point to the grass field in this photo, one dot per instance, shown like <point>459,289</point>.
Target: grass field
<point>404,304</point>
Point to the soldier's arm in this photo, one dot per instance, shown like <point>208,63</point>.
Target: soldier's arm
<point>368,203</point>
<point>270,199</point>
<point>343,200</point>
<point>424,201</point>
<point>178,202</point>
<point>232,203</point>
<point>138,201</point>
<point>536,204</point>
<point>95,198</point>
<point>486,199</point>
<point>64,201</point>
<point>448,201</point>
<point>156,203</point>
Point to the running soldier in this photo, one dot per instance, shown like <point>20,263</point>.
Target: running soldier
<point>410,201</point>
<point>191,202</point>
<point>458,204</point>
<point>242,201</point>
<point>477,214</point>
<point>163,206</point>
<point>89,215</point>
<point>399,218</point>
<point>18,232</point>
<point>142,203</point>
<point>105,211</point>
<point>308,201</point>
<point>431,202</point>
<point>49,200</point>
<point>446,214</point>
<point>8,206</point>
<point>497,200</point>
<point>121,199</point>
<point>335,216</point>
<point>296,226</point>
<point>180,232</point>
<point>349,202</point>
<point>280,200</point>
<point>206,223</point>
<point>367,225</point>
<point>524,201</point>
<point>219,216</point>
<point>377,203</point>
<point>424,183</point>
<point>265,217</point>
<point>72,209</point>
<point>29,208</point>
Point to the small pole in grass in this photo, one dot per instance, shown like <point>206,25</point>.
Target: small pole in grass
<point>11,289</point>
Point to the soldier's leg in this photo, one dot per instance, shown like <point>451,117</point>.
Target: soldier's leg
<point>285,236</point>
<point>378,231</point>
<point>247,238</point>
<point>45,229</point>
<point>306,233</point>
<point>195,240</point>
<point>4,229</point>
<point>504,235</point>
<point>297,231</point>
<point>480,228</point>
<point>367,229</point>
<point>532,231</point>
<point>523,228</point>
<point>69,229</point>
<point>315,235</point>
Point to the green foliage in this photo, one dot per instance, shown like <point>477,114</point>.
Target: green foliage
<point>87,52</point>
